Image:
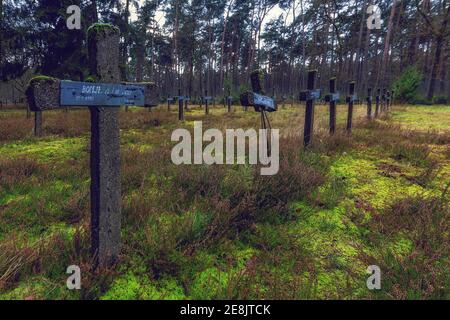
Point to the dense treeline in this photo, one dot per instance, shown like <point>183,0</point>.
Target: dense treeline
<point>213,45</point>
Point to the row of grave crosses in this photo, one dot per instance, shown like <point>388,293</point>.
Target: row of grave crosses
<point>383,103</point>
<point>104,98</point>
<point>206,100</point>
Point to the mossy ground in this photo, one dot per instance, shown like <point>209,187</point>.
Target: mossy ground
<point>175,244</point>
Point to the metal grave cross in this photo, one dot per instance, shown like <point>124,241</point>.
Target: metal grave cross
<point>351,98</point>
<point>256,98</point>
<point>309,96</point>
<point>333,97</point>
<point>206,99</point>
<point>369,103</point>
<point>383,100</point>
<point>377,102</point>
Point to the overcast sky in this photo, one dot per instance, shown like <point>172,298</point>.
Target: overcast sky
<point>274,13</point>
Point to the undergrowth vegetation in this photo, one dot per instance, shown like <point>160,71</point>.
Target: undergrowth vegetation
<point>378,197</point>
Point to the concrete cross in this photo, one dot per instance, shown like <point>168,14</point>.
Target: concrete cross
<point>104,99</point>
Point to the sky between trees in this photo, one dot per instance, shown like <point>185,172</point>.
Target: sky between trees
<point>198,45</point>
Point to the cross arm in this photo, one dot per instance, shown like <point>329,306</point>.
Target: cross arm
<point>46,93</point>
<point>256,98</point>
<point>310,95</point>
<point>43,93</point>
<point>251,99</point>
<point>150,93</point>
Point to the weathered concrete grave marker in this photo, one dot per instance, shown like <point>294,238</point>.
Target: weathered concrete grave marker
<point>351,101</point>
<point>104,100</point>
<point>310,96</point>
<point>332,98</point>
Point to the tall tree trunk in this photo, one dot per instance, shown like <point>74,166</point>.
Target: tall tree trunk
<point>2,76</point>
<point>291,53</point>
<point>140,58</point>
<point>443,68</point>
<point>364,75</point>
<point>357,68</point>
<point>387,43</point>
<point>222,45</point>
<point>126,40</point>
<point>440,39</point>
<point>175,46</point>
<point>94,11</point>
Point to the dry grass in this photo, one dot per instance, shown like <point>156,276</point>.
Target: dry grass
<point>16,172</point>
<point>15,128</point>
<point>172,213</point>
<point>422,274</point>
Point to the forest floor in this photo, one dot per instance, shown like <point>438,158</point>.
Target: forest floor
<point>378,197</point>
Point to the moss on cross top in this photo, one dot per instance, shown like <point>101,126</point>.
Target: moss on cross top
<point>101,29</point>
<point>41,78</point>
<point>35,80</point>
<point>91,79</point>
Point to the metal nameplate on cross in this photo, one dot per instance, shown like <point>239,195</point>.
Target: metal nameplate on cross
<point>351,98</point>
<point>334,97</point>
<point>310,95</point>
<point>256,98</point>
<point>51,93</point>
<point>101,94</point>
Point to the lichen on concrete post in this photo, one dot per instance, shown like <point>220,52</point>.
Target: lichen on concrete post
<point>104,58</point>
<point>43,93</point>
<point>38,123</point>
